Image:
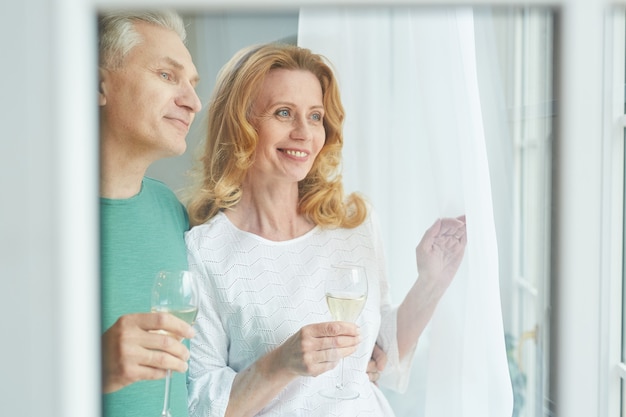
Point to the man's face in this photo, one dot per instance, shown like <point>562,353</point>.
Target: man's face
<point>148,104</point>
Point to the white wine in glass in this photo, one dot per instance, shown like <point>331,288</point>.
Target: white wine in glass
<point>185,313</point>
<point>343,307</point>
<point>346,293</point>
<point>175,292</point>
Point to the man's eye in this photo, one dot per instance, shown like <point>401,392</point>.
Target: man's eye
<point>165,76</point>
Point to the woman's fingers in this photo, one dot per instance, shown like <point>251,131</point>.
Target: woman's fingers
<point>319,347</point>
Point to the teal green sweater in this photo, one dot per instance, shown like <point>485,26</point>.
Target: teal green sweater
<point>140,236</point>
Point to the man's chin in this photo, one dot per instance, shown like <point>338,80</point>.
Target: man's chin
<point>174,151</point>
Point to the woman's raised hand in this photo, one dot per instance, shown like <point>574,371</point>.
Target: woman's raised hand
<point>441,250</point>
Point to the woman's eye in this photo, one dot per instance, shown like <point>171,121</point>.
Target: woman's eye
<point>317,117</point>
<point>283,113</point>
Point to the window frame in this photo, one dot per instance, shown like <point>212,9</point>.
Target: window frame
<point>533,130</point>
<point>580,248</point>
<point>613,373</point>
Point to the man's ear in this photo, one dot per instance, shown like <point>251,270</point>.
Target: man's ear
<point>102,74</point>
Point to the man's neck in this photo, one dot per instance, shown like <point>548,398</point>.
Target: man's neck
<point>117,187</point>
<point>120,176</point>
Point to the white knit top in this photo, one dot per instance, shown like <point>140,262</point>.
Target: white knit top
<point>256,293</point>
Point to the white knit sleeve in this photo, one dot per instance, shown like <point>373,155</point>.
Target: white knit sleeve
<point>209,377</point>
<point>397,373</point>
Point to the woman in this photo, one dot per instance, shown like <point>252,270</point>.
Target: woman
<point>270,218</point>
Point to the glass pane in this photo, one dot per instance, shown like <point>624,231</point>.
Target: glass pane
<point>530,100</point>
<point>518,48</point>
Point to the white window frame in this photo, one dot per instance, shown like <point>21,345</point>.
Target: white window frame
<point>613,373</point>
<point>533,131</point>
<point>581,356</point>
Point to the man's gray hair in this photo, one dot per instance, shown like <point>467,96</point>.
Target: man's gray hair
<point>117,35</point>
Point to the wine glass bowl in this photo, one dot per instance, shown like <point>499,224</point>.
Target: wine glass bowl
<point>346,293</point>
<point>174,292</point>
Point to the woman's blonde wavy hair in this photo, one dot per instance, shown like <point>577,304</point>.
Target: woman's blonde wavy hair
<point>232,139</point>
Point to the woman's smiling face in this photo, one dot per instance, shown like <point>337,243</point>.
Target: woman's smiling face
<point>288,115</point>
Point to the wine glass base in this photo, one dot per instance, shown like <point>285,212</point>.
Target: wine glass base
<point>339,394</point>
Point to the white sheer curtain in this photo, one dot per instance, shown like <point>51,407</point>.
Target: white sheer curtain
<point>415,146</point>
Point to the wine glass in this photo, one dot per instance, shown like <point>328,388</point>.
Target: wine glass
<point>346,292</point>
<point>174,292</point>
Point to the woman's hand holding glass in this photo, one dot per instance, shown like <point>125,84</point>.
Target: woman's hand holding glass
<point>346,294</point>
<point>317,348</point>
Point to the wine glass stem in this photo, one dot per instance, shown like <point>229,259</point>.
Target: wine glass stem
<point>340,383</point>
<point>166,397</point>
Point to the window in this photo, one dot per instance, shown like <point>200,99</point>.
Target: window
<point>515,44</point>
<point>530,98</point>
<point>614,302</point>
<point>49,169</point>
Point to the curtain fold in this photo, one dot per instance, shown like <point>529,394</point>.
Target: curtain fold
<point>415,146</point>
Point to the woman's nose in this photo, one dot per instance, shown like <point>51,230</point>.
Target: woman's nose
<point>301,129</point>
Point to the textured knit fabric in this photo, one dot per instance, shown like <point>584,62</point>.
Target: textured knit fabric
<point>140,236</point>
<point>257,293</point>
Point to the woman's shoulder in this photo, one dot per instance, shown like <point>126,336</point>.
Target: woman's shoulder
<point>215,226</point>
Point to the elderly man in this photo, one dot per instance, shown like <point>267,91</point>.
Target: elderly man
<point>147,102</point>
